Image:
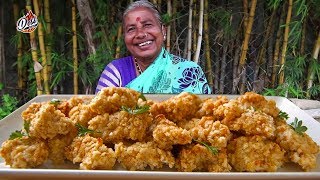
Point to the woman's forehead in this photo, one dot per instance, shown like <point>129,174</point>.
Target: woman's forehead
<point>139,15</point>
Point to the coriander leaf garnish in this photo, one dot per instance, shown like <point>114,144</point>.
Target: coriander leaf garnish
<point>212,149</point>
<point>82,131</point>
<point>16,134</point>
<point>283,115</point>
<point>55,101</point>
<point>297,126</point>
<point>136,110</point>
<point>26,126</point>
<point>141,96</point>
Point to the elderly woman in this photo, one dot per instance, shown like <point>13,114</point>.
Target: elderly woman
<point>150,68</point>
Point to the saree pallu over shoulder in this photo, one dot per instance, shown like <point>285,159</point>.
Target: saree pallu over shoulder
<point>171,74</point>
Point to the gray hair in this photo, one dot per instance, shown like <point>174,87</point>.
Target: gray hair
<point>145,4</point>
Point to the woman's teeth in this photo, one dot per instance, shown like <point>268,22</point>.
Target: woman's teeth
<point>145,43</point>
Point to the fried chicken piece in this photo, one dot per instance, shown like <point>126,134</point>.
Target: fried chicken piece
<point>208,130</point>
<point>121,126</point>
<point>208,106</point>
<point>301,148</point>
<point>228,112</point>
<point>66,105</point>
<point>254,122</point>
<point>110,99</point>
<point>57,146</point>
<point>140,155</point>
<point>30,113</point>
<point>259,102</point>
<point>255,154</point>
<point>91,153</point>
<point>81,114</point>
<point>25,152</point>
<point>166,133</point>
<point>178,108</point>
<point>49,122</point>
<point>197,157</point>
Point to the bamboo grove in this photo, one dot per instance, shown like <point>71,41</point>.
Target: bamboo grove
<point>270,47</point>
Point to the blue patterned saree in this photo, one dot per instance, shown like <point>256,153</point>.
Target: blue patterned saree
<point>171,74</point>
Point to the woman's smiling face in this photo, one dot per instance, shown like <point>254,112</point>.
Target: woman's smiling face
<point>143,34</point>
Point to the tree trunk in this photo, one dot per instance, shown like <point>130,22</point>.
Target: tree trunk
<point>2,56</point>
<point>74,49</point>
<point>285,43</point>
<point>275,67</point>
<point>207,45</point>
<point>189,31</point>
<point>245,16</point>
<point>315,55</point>
<point>20,69</point>
<point>37,67</point>
<point>87,23</point>
<point>197,53</point>
<point>168,34</point>
<point>49,37</point>
<point>261,68</point>
<point>119,35</point>
<point>245,43</point>
<point>223,64</point>
<point>42,49</point>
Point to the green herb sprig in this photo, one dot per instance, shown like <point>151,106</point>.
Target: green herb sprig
<point>20,134</point>
<point>283,115</point>
<point>82,131</point>
<point>297,126</point>
<point>212,149</point>
<point>141,96</point>
<point>136,110</point>
<point>16,134</point>
<point>55,101</point>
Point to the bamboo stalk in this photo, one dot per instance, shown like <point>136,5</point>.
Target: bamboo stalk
<point>20,68</point>
<point>245,43</point>
<point>74,48</point>
<point>197,54</point>
<point>223,65</point>
<point>195,28</point>
<point>42,49</point>
<point>119,34</point>
<point>245,15</point>
<point>37,67</point>
<point>167,37</point>
<point>262,52</point>
<point>47,19</point>
<point>311,73</point>
<point>275,63</point>
<point>189,40</point>
<point>207,45</point>
<point>285,43</point>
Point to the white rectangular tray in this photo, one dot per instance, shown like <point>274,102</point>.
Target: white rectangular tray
<point>14,122</point>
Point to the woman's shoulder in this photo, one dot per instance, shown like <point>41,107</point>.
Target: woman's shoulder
<point>122,60</point>
<point>179,60</point>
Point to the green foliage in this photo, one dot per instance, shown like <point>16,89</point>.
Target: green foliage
<point>222,17</point>
<point>273,4</point>
<point>297,126</point>
<point>286,90</point>
<point>8,104</point>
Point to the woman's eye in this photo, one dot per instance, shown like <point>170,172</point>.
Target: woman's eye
<point>147,25</point>
<point>130,29</point>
